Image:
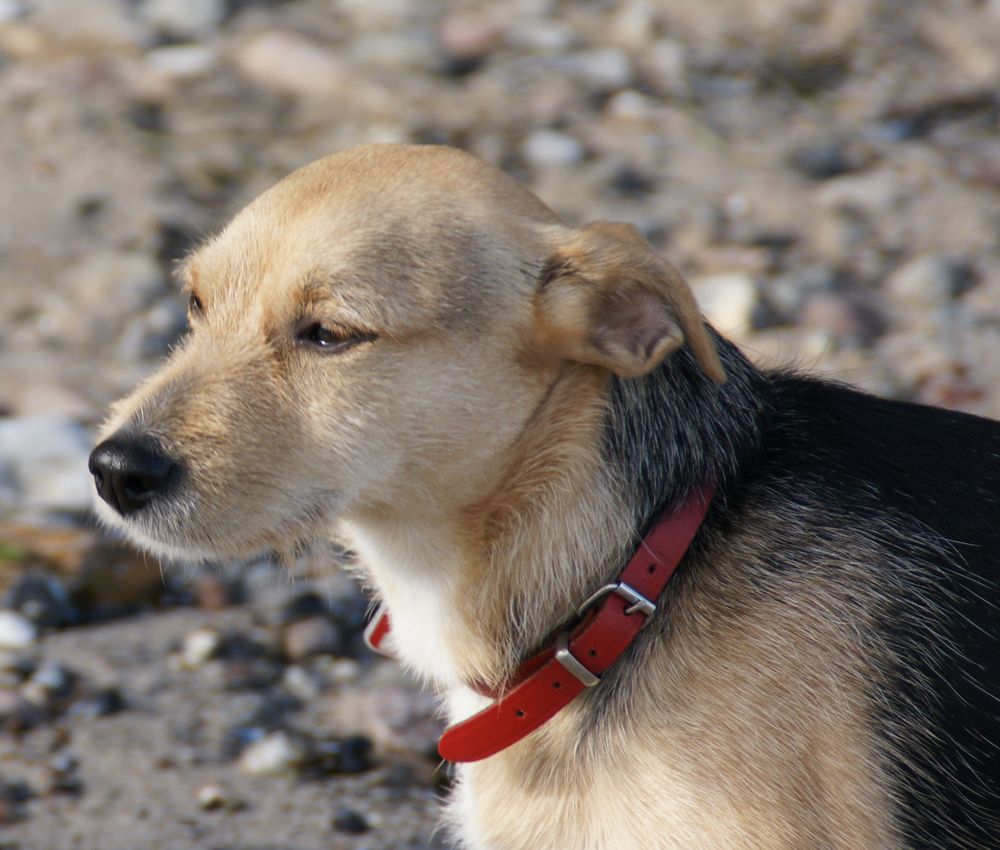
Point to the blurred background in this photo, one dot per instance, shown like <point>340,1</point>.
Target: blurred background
<point>825,173</point>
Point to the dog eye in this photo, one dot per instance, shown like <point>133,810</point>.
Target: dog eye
<point>330,340</point>
<point>195,307</point>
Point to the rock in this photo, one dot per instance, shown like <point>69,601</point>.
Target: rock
<point>728,300</point>
<point>213,797</point>
<point>18,714</point>
<point>215,592</point>
<point>301,684</point>
<point>150,334</point>
<point>929,281</point>
<point>355,755</point>
<point>103,702</point>
<point>200,646</point>
<point>665,63</point>
<point>16,664</point>
<point>401,718</point>
<point>291,64</point>
<point>182,61</point>
<point>184,19</point>
<point>13,796</point>
<point>62,776</point>
<point>43,464</point>
<point>349,821</point>
<point>548,148</point>
<point>310,637</point>
<point>16,631</point>
<point>11,10</point>
<point>822,159</point>
<point>467,38</point>
<point>275,753</point>
<point>302,606</point>
<point>343,671</point>
<point>42,599</point>
<point>605,69</point>
<point>52,687</point>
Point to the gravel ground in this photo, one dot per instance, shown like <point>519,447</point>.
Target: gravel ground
<point>825,172</point>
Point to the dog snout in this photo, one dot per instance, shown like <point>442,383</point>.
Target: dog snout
<point>130,472</point>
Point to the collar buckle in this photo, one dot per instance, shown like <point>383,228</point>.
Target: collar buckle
<point>572,664</point>
<point>637,602</point>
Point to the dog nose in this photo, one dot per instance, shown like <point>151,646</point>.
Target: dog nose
<point>130,472</point>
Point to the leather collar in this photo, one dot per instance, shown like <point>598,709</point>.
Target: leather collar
<point>611,619</point>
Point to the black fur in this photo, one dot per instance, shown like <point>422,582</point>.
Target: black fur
<point>920,485</point>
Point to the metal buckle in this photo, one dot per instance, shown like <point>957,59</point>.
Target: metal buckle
<point>637,601</point>
<point>574,667</point>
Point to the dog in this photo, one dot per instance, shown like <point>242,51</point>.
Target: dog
<point>508,417</point>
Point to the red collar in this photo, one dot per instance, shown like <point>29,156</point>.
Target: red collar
<point>551,680</point>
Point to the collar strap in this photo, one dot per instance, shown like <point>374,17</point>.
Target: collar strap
<point>551,680</point>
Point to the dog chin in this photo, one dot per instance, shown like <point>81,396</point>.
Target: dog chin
<point>153,543</point>
<point>292,538</point>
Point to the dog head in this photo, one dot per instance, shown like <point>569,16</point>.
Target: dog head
<point>374,333</point>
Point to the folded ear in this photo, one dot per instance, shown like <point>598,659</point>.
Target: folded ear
<point>606,298</point>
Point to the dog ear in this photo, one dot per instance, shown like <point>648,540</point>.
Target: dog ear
<point>606,298</point>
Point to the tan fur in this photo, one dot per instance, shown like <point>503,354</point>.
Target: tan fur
<point>459,453</point>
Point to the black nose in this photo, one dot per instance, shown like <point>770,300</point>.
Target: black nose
<point>131,471</point>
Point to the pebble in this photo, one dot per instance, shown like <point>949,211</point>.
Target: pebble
<point>43,464</point>
<point>467,39</point>
<point>350,821</point>
<point>928,281</point>
<point>211,797</point>
<point>62,775</point>
<point>301,684</point>
<point>605,68</point>
<point>343,671</point>
<point>728,301</point>
<point>42,599</point>
<point>302,606</point>
<point>11,10</point>
<point>103,702</point>
<point>200,646</point>
<point>182,61</point>
<point>292,64</point>
<point>821,160</point>
<point>275,753</point>
<point>215,796</point>
<point>310,637</point>
<point>548,148</point>
<point>186,19</point>
<point>52,687</point>
<point>16,631</point>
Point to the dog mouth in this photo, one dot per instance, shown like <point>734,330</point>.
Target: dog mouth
<point>180,526</point>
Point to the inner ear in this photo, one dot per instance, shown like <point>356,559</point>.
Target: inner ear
<point>607,299</point>
<point>635,332</point>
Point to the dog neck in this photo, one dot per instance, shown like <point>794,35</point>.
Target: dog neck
<point>472,592</point>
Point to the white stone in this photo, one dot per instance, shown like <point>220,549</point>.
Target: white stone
<point>926,281</point>
<point>629,104</point>
<point>182,61</point>
<point>343,671</point>
<point>606,68</point>
<point>184,18</point>
<point>274,753</point>
<point>300,683</point>
<point>43,464</point>
<point>16,632</point>
<point>727,300</point>
<point>212,797</point>
<point>200,646</point>
<point>546,148</point>
<point>11,10</point>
